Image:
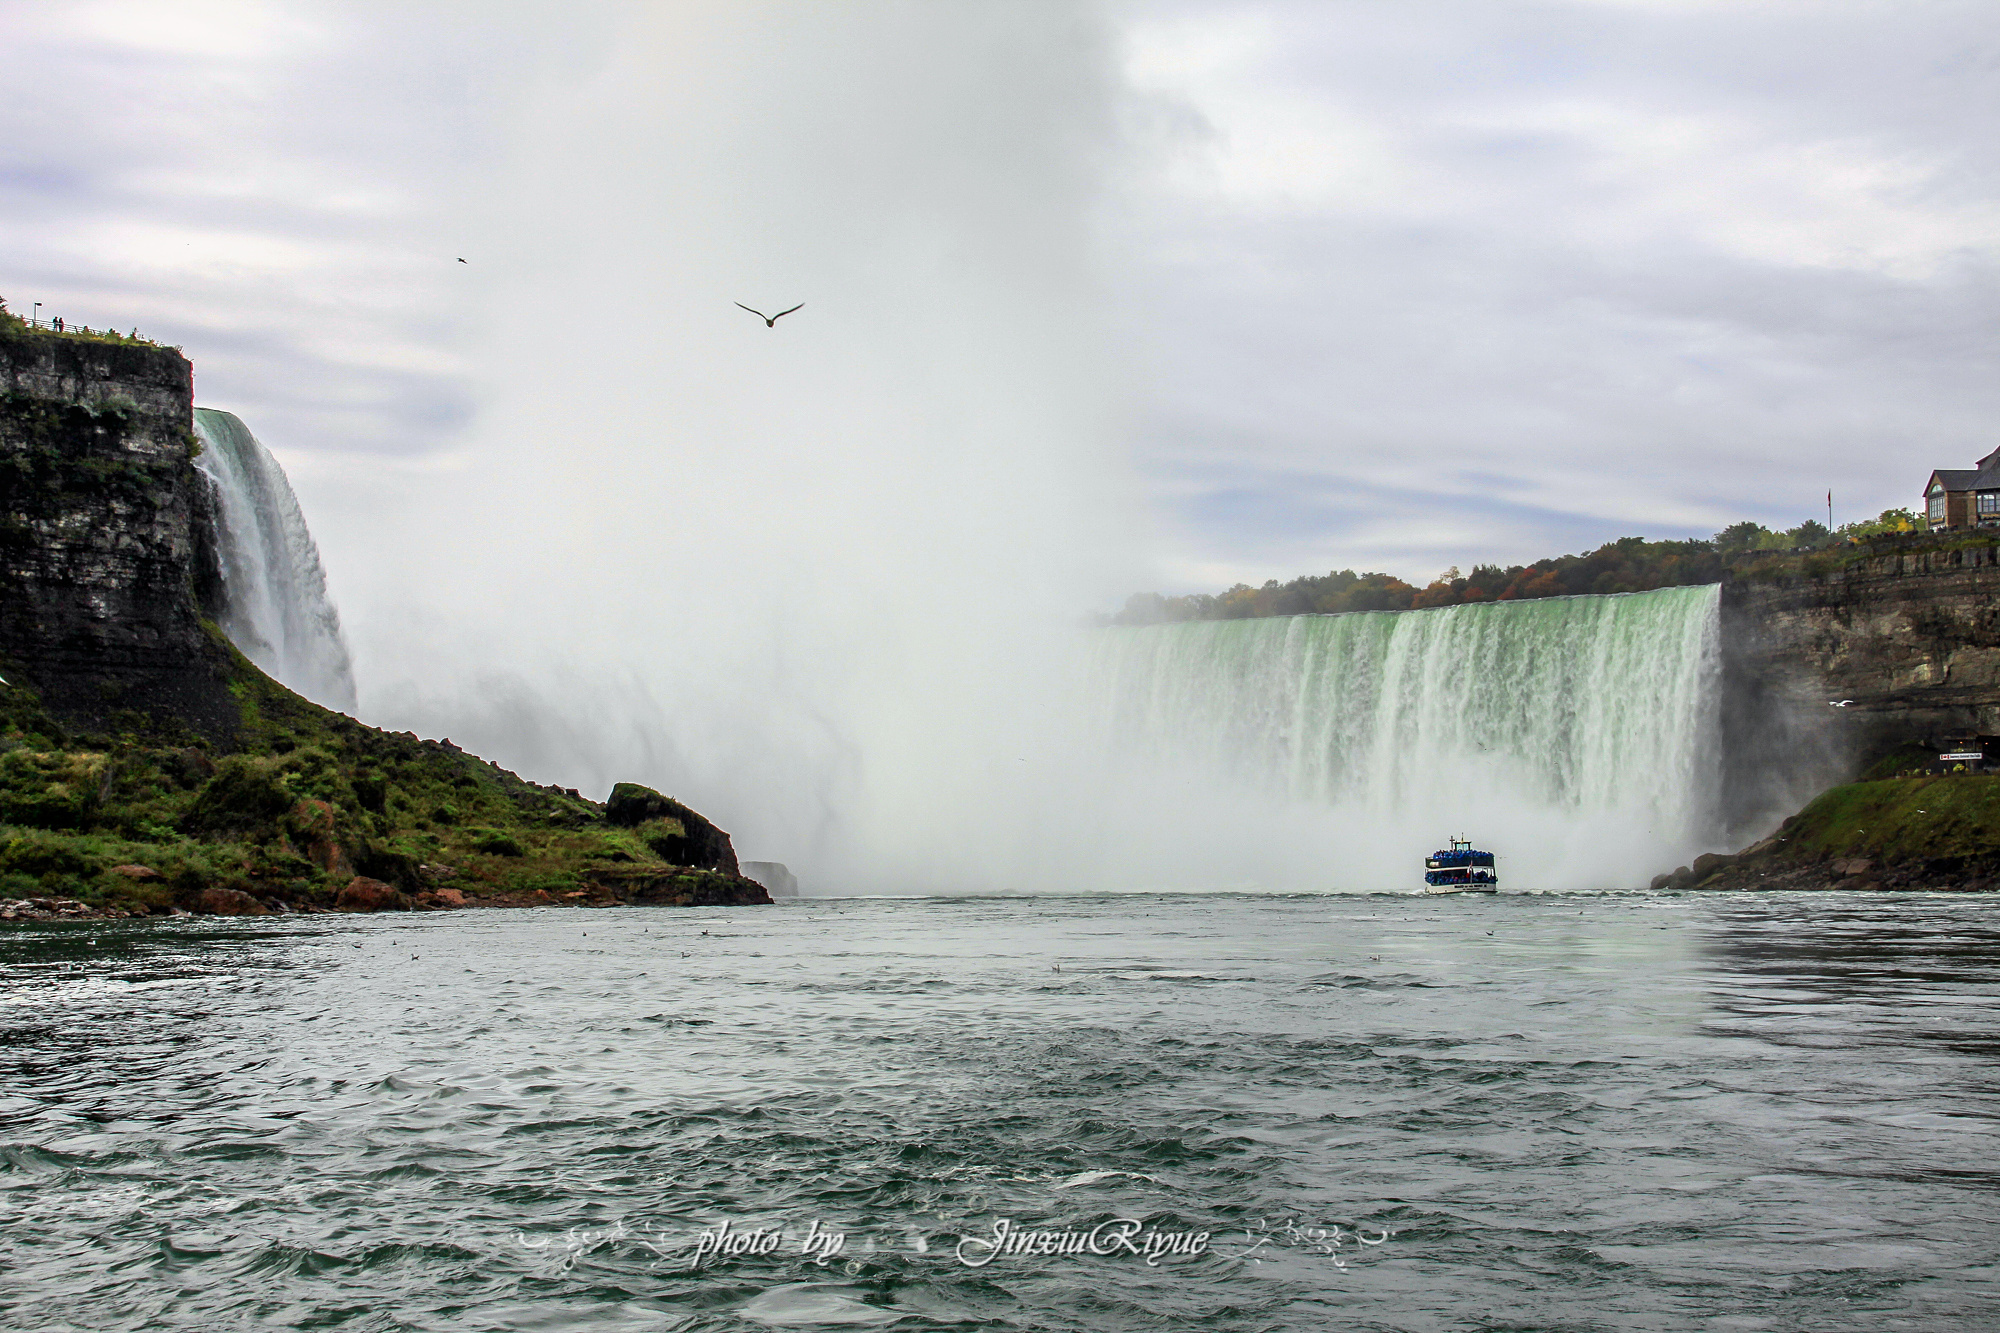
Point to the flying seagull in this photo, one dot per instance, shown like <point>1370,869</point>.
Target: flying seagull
<point>1838,703</point>
<point>771,321</point>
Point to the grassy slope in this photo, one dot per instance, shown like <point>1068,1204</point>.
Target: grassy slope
<point>307,799</point>
<point>1893,832</point>
<point>1893,820</point>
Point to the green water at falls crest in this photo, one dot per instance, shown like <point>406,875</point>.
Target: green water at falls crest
<point>1555,722</point>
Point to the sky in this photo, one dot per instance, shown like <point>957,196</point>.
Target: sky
<point>1381,285</point>
<point>1099,297</point>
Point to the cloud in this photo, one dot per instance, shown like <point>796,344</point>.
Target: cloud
<point>1552,273</point>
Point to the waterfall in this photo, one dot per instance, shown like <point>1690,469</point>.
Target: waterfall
<point>274,592</point>
<point>1583,730</point>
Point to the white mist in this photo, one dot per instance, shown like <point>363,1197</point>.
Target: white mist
<point>815,580</point>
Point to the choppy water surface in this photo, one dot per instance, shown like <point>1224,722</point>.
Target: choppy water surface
<point>1639,1112</point>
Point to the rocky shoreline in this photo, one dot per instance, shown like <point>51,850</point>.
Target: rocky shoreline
<point>368,895</point>
<point>1935,833</point>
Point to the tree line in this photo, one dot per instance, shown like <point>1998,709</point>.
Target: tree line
<point>1630,564</point>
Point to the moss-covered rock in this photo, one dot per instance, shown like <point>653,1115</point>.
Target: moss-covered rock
<point>670,830</point>
<point>1936,832</point>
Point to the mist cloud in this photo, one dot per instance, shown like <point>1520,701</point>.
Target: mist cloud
<point>1097,298</point>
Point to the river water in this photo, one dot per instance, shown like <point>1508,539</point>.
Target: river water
<point>1529,1112</point>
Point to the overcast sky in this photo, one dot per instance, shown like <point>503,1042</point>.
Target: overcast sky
<point>1383,285</point>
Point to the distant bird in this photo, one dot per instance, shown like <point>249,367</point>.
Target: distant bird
<point>1838,703</point>
<point>771,321</point>
<point>461,261</point>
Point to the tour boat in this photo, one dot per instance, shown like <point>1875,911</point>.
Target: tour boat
<point>1460,870</point>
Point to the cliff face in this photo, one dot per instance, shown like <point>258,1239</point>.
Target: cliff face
<point>1910,636</point>
<point>106,554</point>
<point>109,586</point>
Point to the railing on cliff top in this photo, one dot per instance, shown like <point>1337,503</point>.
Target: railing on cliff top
<point>57,327</point>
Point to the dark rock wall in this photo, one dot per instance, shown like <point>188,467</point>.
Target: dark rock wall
<point>696,842</point>
<point>107,563</point>
<point>1912,638</point>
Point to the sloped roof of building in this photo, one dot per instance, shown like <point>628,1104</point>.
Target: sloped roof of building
<point>1987,476</point>
<point>1957,479</point>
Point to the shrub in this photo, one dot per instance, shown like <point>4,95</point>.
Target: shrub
<point>43,855</point>
<point>245,795</point>
<point>51,790</point>
<point>496,843</point>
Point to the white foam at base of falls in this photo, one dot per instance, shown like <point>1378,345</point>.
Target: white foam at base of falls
<point>1578,735</point>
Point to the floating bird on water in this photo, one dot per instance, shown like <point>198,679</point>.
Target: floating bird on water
<point>771,321</point>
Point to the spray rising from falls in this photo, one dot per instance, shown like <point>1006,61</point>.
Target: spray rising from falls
<point>274,591</point>
<point>1580,733</point>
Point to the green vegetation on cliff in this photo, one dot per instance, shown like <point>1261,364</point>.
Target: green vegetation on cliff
<point>1929,832</point>
<point>1954,817</point>
<point>1630,564</point>
<point>312,810</point>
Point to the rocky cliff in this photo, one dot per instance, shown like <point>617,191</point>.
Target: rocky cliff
<point>1836,661</point>
<point>107,563</point>
<point>1856,661</point>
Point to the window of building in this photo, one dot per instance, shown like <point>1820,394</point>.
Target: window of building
<point>1937,507</point>
<point>1989,502</point>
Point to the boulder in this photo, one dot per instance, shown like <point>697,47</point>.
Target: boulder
<point>378,861</point>
<point>1708,863</point>
<point>696,843</point>
<point>143,874</point>
<point>363,894</point>
<point>448,897</point>
<point>228,902</point>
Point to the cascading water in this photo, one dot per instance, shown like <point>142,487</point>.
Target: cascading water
<point>1579,733</point>
<point>276,608</point>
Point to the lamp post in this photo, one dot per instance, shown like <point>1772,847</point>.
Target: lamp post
<point>35,320</point>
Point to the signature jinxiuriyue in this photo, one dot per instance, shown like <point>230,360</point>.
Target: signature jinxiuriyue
<point>1121,1235</point>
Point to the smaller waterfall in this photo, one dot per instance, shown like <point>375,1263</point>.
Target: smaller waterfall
<point>274,591</point>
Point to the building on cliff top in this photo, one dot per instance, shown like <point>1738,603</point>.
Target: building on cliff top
<point>1964,497</point>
